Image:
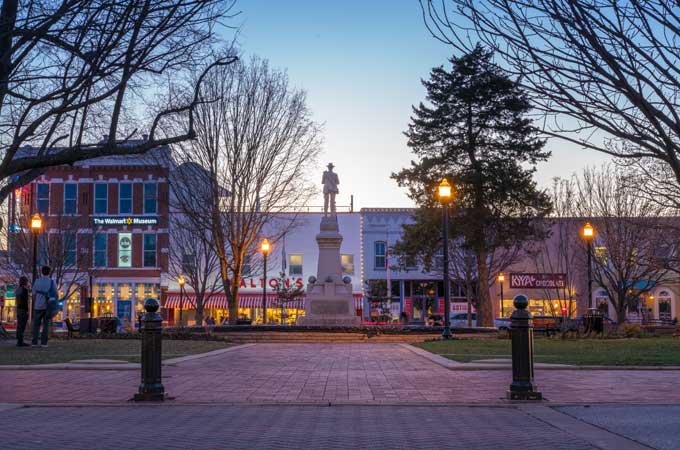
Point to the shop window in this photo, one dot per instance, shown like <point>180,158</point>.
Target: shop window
<point>125,198</point>
<point>295,264</point>
<point>69,243</point>
<point>100,250</point>
<point>380,252</point>
<point>150,198</point>
<point>101,198</point>
<point>70,198</point>
<point>149,250</point>
<point>42,198</point>
<point>602,302</point>
<point>347,262</point>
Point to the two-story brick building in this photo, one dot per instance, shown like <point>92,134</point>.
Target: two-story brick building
<point>109,218</point>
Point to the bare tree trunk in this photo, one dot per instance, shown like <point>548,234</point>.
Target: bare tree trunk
<point>484,307</point>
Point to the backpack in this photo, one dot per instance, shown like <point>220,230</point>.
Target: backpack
<point>52,308</point>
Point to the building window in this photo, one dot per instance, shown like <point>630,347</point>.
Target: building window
<point>380,252</point>
<point>188,262</point>
<point>600,254</point>
<point>149,250</point>
<point>70,198</point>
<point>295,264</point>
<point>69,243</point>
<point>101,198</point>
<point>125,198</point>
<point>247,268</point>
<point>150,198</point>
<point>42,198</point>
<point>100,250</point>
<point>347,262</point>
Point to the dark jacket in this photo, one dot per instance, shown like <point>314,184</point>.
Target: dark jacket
<point>22,298</point>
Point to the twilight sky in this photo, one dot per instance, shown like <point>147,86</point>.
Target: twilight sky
<point>361,63</point>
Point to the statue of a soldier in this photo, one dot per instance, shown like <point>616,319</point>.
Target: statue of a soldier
<point>330,183</point>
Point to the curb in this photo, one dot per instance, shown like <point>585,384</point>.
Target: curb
<point>455,365</point>
<point>181,359</point>
<point>121,366</point>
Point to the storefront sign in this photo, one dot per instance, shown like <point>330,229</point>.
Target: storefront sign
<point>538,280</point>
<point>272,283</point>
<point>124,249</point>
<point>125,220</point>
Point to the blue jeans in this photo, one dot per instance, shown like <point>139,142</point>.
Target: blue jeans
<point>40,317</point>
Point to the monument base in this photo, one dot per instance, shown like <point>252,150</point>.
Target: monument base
<point>329,304</point>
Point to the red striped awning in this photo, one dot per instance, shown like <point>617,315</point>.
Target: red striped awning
<point>245,300</point>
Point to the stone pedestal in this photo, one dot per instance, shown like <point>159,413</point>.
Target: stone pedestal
<point>329,298</point>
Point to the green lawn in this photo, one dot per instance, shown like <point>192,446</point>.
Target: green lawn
<point>662,351</point>
<point>60,351</point>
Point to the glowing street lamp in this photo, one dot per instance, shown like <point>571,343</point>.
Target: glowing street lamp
<point>501,279</point>
<point>264,248</point>
<point>588,235</point>
<point>180,281</point>
<point>36,226</point>
<point>445,193</point>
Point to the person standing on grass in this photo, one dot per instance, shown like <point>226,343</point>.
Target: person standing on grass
<point>44,291</point>
<point>22,310</point>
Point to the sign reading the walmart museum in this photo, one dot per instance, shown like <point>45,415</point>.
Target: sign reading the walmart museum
<point>125,220</point>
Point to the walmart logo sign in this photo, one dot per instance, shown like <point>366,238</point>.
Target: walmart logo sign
<point>122,221</point>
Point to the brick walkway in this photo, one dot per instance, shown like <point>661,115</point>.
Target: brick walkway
<point>336,373</point>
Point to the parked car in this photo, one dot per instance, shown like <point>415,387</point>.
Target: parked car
<point>502,323</point>
<point>459,320</point>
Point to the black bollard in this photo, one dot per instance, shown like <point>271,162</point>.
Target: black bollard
<point>522,334</point>
<point>151,388</point>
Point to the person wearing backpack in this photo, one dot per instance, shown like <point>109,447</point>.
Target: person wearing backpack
<point>22,310</point>
<point>44,305</point>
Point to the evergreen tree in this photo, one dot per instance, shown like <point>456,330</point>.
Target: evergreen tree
<point>475,132</point>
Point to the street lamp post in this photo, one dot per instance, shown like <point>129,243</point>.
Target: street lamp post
<point>588,235</point>
<point>36,225</point>
<point>180,281</point>
<point>265,251</point>
<point>445,195</point>
<point>501,279</point>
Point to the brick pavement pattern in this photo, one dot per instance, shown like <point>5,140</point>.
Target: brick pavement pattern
<point>280,427</point>
<point>335,373</point>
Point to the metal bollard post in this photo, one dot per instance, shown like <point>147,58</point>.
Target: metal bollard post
<point>522,334</point>
<point>151,388</point>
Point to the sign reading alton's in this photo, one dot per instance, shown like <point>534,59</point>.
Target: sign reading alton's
<point>538,280</point>
<point>125,220</point>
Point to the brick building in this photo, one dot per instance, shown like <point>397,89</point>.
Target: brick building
<point>108,216</point>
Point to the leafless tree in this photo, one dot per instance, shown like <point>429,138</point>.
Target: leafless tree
<point>560,252</point>
<point>58,248</point>
<point>255,143</point>
<point>74,70</point>
<point>630,242</point>
<point>604,72</point>
<point>193,257</point>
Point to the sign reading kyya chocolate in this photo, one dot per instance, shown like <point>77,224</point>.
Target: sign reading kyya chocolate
<point>537,280</point>
<point>125,220</point>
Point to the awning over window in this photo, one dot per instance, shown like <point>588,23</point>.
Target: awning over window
<point>246,300</point>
